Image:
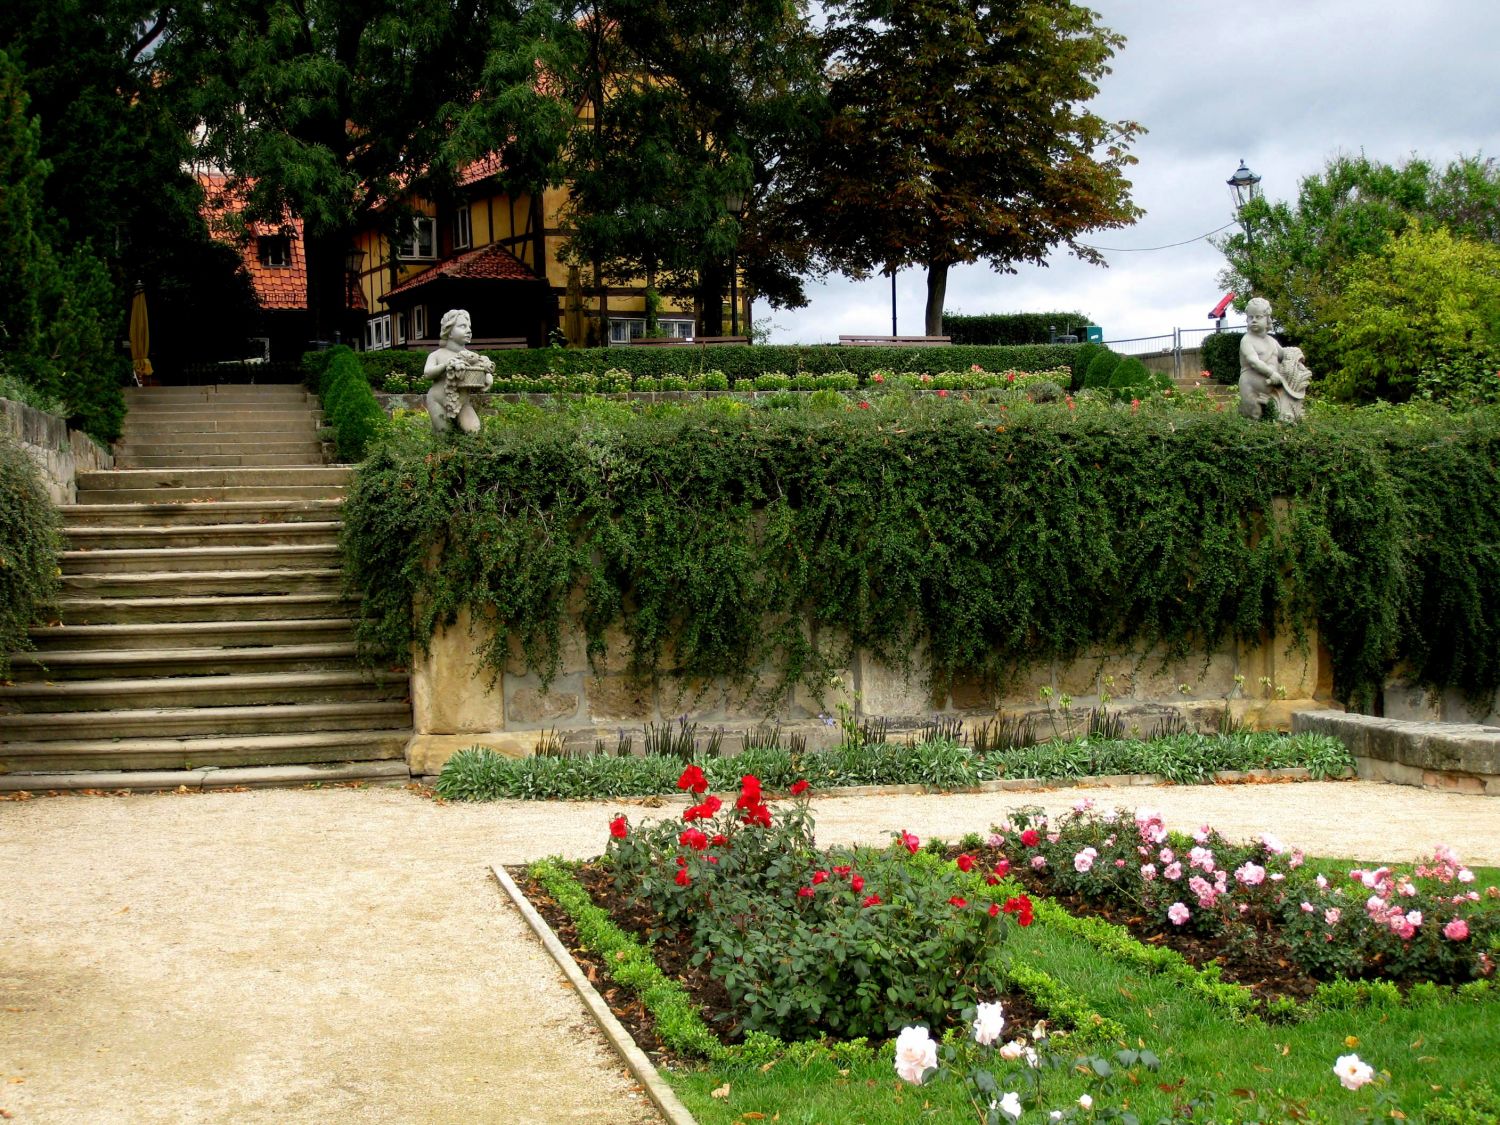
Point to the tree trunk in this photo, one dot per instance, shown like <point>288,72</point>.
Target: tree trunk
<point>711,283</point>
<point>937,290</point>
<point>327,287</point>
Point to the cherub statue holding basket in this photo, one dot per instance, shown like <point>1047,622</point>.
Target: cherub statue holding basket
<point>456,373</point>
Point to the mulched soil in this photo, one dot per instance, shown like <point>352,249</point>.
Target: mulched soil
<point>1254,957</point>
<point>673,954</point>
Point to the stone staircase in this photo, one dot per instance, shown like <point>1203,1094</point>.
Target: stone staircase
<point>201,621</point>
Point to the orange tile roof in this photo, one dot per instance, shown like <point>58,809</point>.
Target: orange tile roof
<point>493,262</point>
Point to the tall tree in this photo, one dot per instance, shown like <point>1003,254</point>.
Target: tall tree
<point>688,108</point>
<point>336,110</point>
<point>1298,254</point>
<point>959,132</point>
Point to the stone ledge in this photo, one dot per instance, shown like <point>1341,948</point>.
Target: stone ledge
<point>208,777</point>
<point>1435,755</point>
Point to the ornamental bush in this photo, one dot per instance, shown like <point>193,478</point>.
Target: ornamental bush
<point>348,402</point>
<point>29,544</point>
<point>1011,328</point>
<point>808,943</point>
<point>1101,369</point>
<point>1221,357</point>
<point>1083,355</point>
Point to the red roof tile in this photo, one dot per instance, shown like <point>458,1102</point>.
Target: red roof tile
<point>492,262</point>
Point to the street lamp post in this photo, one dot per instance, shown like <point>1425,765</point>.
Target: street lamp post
<point>734,203</point>
<point>1244,188</point>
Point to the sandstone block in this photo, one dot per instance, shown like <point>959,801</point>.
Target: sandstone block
<point>426,754</point>
<point>619,697</point>
<point>451,692</point>
<point>528,704</point>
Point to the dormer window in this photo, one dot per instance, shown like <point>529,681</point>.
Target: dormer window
<point>274,250</point>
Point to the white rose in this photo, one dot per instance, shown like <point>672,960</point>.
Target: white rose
<point>1010,1105</point>
<point>915,1054</point>
<point>1011,1051</point>
<point>988,1024</point>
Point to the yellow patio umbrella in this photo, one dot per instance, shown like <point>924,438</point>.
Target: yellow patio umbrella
<point>140,336</point>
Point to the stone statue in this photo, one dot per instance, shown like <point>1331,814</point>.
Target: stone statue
<point>1269,372</point>
<point>456,372</point>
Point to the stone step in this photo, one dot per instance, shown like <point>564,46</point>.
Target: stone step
<point>153,560</point>
<point>193,753</point>
<point>131,480</point>
<point>203,722</point>
<point>94,664</point>
<point>213,494</point>
<point>322,532</point>
<point>299,427</point>
<point>258,392</point>
<point>199,584</point>
<point>216,445</point>
<point>201,515</point>
<point>180,610</point>
<point>191,634</point>
<point>217,460</point>
<point>199,692</point>
<point>200,418</point>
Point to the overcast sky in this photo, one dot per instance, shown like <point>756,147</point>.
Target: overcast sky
<point>1283,84</point>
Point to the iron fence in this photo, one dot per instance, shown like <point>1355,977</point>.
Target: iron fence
<point>1180,340</point>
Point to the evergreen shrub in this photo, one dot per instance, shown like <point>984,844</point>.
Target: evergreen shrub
<point>1101,369</point>
<point>1083,355</point>
<point>1221,357</point>
<point>1011,328</point>
<point>997,538</point>
<point>29,543</point>
<point>348,402</point>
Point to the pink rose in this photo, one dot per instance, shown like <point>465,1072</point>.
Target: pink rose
<point>1172,871</point>
<point>1177,913</point>
<point>1038,862</point>
<point>1082,862</point>
<point>1148,871</point>
<point>1332,915</point>
<point>1456,930</point>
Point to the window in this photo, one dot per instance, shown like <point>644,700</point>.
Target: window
<point>622,331</point>
<point>681,329</point>
<point>423,240</point>
<point>274,250</point>
<point>462,236</point>
<point>419,322</point>
<point>398,328</point>
<point>377,333</point>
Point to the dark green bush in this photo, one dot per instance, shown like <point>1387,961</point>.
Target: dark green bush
<point>29,543</point>
<point>1083,355</point>
<point>996,545</point>
<point>1011,328</point>
<point>347,401</point>
<point>1221,357</point>
<point>1101,369</point>
<point>402,370</point>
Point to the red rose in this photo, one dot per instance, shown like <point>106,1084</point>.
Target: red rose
<point>911,842</point>
<point>843,869</point>
<point>805,892</point>
<point>693,813</point>
<point>758,814</point>
<point>1031,837</point>
<point>719,840</point>
<point>965,862</point>
<point>873,900</point>
<point>711,805</point>
<point>819,877</point>
<point>799,788</point>
<point>749,792</point>
<point>684,879</point>
<point>958,902</point>
<point>858,883</point>
<point>618,828</point>
<point>994,910</point>
<point>863,405</point>
<point>694,838</point>
<point>712,859</point>
<point>692,778</point>
<point>1002,868</point>
<point>943,393</point>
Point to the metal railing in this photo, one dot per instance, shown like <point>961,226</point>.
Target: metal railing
<point>1180,340</point>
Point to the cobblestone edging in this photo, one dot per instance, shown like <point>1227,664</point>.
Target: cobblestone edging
<point>1457,756</point>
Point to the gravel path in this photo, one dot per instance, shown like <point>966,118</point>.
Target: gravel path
<point>342,955</point>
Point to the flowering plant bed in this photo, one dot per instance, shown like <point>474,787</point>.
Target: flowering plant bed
<point>1144,1048</point>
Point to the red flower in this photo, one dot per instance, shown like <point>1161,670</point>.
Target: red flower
<point>994,910</point>
<point>749,792</point>
<point>842,869</point>
<point>799,787</point>
<point>873,900</point>
<point>692,813</point>
<point>758,814</point>
<point>684,879</point>
<point>681,862</point>
<point>694,838</point>
<point>911,842</point>
<point>719,840</point>
<point>1002,868</point>
<point>805,892</point>
<point>965,862</point>
<point>958,902</point>
<point>712,859</point>
<point>618,828</point>
<point>692,778</point>
<point>710,805</point>
<point>879,378</point>
<point>943,393</point>
<point>858,883</point>
<point>1020,906</point>
<point>1031,837</point>
<point>863,405</point>
<point>819,877</point>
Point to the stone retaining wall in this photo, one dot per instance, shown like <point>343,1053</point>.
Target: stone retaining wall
<point>60,452</point>
<point>456,703</point>
<point>1434,755</point>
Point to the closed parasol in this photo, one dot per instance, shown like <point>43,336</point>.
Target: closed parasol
<point>140,337</point>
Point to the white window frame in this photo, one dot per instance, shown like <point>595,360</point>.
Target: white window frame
<point>463,230</point>
<point>419,322</point>
<point>266,250</point>
<point>378,333</point>
<point>422,245</point>
<point>677,328</point>
<point>623,329</point>
<point>398,328</point>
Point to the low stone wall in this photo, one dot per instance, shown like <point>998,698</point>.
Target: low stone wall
<point>1405,700</point>
<point>60,452</point>
<point>457,704</point>
<point>1435,755</point>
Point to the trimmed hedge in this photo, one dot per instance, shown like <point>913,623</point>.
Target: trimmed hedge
<point>30,540</point>
<point>1101,369</point>
<point>1011,328</point>
<point>738,363</point>
<point>1221,357</point>
<point>996,537</point>
<point>348,400</point>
